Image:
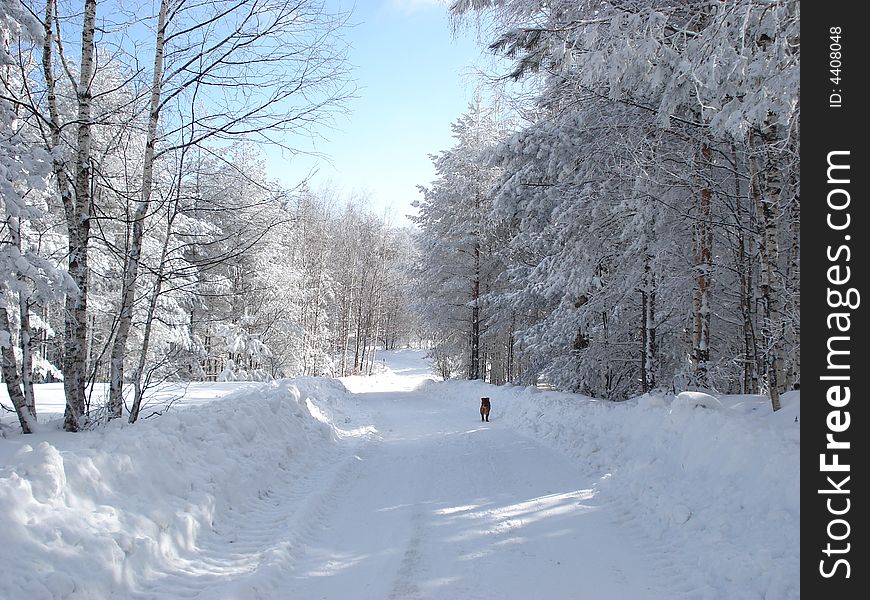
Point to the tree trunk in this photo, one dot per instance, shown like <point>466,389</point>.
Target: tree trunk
<point>359,324</point>
<point>474,367</point>
<point>315,325</point>
<point>25,331</point>
<point>793,279</point>
<point>138,386</point>
<point>11,377</point>
<point>374,350</point>
<point>131,268</point>
<point>743,266</point>
<point>77,202</point>
<point>702,268</point>
<point>345,342</point>
<point>644,383</point>
<point>750,346</point>
<point>510,370</point>
<point>648,308</point>
<point>26,334</point>
<point>767,189</point>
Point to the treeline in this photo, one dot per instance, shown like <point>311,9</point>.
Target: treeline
<point>636,226</point>
<point>141,239</point>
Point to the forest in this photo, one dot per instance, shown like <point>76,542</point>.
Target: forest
<point>632,223</point>
<point>624,220</point>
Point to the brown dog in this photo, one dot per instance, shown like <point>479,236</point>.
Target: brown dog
<point>485,406</point>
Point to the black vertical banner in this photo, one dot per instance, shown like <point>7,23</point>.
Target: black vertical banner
<point>834,367</point>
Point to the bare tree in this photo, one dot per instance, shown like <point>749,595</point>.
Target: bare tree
<point>131,267</point>
<point>75,187</point>
<point>255,69</point>
<point>767,185</point>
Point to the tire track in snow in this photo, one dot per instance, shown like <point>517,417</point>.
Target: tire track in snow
<point>254,546</point>
<point>668,559</point>
<point>669,568</point>
<point>404,586</point>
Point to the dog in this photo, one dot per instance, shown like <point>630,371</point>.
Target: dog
<point>485,407</point>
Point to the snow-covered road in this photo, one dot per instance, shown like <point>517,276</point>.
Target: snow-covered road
<point>443,506</point>
<point>428,503</point>
<point>297,489</point>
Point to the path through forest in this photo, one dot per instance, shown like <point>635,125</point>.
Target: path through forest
<point>432,503</point>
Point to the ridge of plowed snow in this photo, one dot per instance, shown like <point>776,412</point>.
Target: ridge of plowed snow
<point>103,510</point>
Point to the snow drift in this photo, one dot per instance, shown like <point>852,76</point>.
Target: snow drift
<point>93,512</point>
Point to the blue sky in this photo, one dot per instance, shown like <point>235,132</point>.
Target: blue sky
<point>414,78</point>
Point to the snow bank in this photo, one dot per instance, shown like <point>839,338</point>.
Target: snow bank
<point>715,481</point>
<point>50,399</point>
<point>115,504</point>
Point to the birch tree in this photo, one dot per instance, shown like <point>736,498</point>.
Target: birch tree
<point>260,68</point>
<point>131,267</point>
<point>73,178</point>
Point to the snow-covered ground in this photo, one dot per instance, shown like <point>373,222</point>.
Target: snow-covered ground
<point>396,490</point>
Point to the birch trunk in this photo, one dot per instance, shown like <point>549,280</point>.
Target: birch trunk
<point>750,346</point>
<point>374,351</point>
<point>702,268</point>
<point>131,268</point>
<point>75,194</point>
<point>767,188</point>
<point>509,375</point>
<point>474,371</point>
<point>138,385</point>
<point>359,324</point>
<point>12,378</point>
<point>649,351</point>
<point>793,279</point>
<point>25,331</point>
<point>74,400</point>
<point>347,316</point>
<point>749,383</point>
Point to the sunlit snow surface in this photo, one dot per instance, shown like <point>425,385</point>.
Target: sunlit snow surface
<point>299,489</point>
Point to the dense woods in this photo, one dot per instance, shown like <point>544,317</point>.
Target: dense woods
<point>636,226</point>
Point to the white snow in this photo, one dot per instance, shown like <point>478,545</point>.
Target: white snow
<point>301,489</point>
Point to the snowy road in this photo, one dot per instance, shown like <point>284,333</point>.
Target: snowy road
<point>299,490</point>
<point>442,506</point>
<point>433,504</point>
